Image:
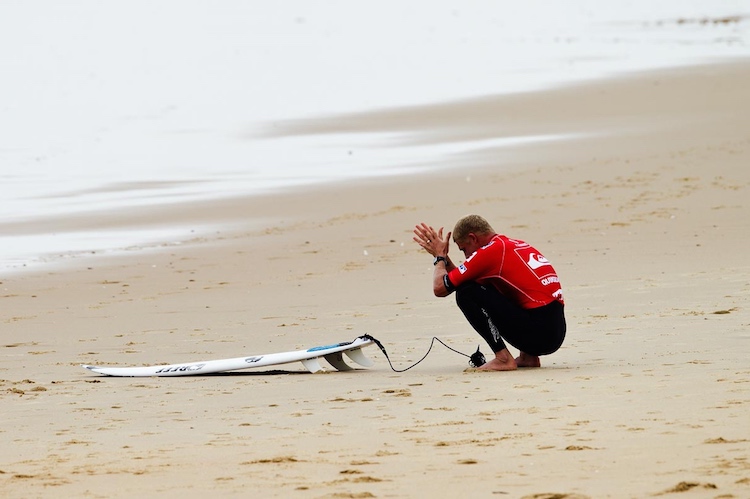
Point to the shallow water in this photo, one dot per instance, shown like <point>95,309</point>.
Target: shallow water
<point>106,107</point>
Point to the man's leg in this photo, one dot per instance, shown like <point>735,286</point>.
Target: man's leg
<point>471,299</point>
<point>534,332</point>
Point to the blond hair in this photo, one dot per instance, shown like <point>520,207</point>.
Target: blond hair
<point>469,224</point>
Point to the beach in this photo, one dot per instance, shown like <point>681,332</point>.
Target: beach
<point>643,210</point>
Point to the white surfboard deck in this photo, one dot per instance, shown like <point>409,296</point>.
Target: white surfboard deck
<point>334,354</point>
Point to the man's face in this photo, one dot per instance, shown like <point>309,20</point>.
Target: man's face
<point>468,245</point>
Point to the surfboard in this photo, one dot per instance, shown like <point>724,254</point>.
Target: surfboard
<point>310,358</point>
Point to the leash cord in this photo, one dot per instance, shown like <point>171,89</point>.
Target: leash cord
<point>475,360</point>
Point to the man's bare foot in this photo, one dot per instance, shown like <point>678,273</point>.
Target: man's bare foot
<point>503,361</point>
<point>526,360</point>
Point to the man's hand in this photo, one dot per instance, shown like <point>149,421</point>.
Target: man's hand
<point>434,243</point>
<point>431,240</point>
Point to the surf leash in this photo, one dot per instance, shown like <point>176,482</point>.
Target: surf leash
<point>475,360</point>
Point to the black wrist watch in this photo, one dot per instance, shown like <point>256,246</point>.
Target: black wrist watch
<point>440,259</point>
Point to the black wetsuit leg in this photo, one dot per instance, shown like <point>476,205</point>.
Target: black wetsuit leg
<point>536,331</point>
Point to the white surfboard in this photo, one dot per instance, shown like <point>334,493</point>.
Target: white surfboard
<point>334,354</point>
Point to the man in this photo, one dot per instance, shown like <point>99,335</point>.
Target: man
<point>506,289</point>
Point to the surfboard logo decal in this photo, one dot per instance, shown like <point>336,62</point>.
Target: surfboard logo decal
<point>251,360</point>
<point>180,369</point>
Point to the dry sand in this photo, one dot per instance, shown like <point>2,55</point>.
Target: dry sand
<point>645,217</point>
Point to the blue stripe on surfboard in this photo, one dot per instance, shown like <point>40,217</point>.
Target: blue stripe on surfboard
<point>326,347</point>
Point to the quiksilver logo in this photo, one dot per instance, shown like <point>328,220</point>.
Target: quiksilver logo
<point>536,261</point>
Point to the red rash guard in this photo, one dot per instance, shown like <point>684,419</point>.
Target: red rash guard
<point>515,269</point>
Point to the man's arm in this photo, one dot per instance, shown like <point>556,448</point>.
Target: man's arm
<point>439,275</point>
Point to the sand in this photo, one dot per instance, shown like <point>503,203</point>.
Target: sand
<point>644,213</point>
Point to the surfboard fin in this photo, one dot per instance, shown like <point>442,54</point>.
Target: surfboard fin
<point>312,365</point>
<point>337,361</point>
<point>357,356</point>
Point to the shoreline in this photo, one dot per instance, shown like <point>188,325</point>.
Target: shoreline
<point>651,382</point>
<point>465,120</point>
